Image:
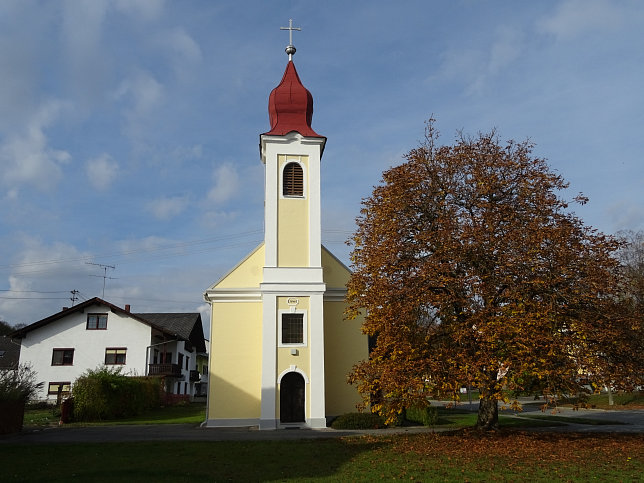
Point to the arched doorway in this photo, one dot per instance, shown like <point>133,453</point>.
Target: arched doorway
<point>292,398</point>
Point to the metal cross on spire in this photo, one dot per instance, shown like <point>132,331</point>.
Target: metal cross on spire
<point>290,48</point>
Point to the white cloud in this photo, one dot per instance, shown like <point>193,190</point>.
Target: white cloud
<point>576,17</point>
<point>167,208</point>
<point>225,184</point>
<point>141,95</point>
<point>216,219</point>
<point>101,171</point>
<point>143,90</point>
<point>149,243</point>
<point>476,68</point>
<point>182,45</point>
<point>625,216</point>
<point>82,27</point>
<point>145,9</point>
<point>83,53</point>
<point>26,157</point>
<point>56,269</point>
<point>12,194</point>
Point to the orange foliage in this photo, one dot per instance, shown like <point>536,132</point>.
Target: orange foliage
<point>471,270</point>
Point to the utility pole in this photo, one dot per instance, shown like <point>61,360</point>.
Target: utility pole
<point>104,276</point>
<point>74,297</point>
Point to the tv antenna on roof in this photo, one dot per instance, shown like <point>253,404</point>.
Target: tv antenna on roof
<point>104,276</point>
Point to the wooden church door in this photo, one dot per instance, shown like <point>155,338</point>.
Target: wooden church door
<point>292,398</point>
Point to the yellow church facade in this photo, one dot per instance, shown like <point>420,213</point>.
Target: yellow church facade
<point>281,349</point>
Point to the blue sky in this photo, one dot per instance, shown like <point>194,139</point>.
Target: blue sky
<point>129,130</point>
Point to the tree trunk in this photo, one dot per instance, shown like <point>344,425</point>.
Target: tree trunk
<point>488,417</point>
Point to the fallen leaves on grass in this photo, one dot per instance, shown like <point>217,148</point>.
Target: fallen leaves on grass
<point>471,445</point>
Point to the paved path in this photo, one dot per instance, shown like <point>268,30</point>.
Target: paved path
<point>183,432</point>
<point>632,421</point>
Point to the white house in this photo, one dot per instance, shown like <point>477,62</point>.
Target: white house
<point>63,346</point>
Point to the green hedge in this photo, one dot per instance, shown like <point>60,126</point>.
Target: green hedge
<point>427,416</point>
<point>358,421</point>
<point>107,394</point>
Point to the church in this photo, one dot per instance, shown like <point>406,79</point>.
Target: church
<point>280,347</point>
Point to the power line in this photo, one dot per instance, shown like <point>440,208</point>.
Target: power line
<point>32,291</point>
<point>33,298</point>
<point>173,246</point>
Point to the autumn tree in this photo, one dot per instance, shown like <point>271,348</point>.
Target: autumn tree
<point>472,271</point>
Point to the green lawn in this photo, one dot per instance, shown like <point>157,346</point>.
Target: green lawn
<point>193,413</point>
<point>464,456</point>
<point>619,399</point>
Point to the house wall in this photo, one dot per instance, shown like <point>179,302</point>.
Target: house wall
<point>248,273</point>
<point>187,361</point>
<point>234,383</point>
<point>344,342</point>
<point>89,346</point>
<point>344,346</point>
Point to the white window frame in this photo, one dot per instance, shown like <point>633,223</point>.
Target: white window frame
<point>304,328</point>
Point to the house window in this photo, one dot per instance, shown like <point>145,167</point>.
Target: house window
<point>115,356</point>
<point>180,360</point>
<point>187,362</point>
<point>62,357</point>
<point>293,180</point>
<point>292,329</point>
<point>96,321</point>
<point>63,387</point>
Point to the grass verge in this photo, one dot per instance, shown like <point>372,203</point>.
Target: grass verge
<point>193,413</point>
<point>625,400</point>
<point>464,456</point>
<point>460,419</point>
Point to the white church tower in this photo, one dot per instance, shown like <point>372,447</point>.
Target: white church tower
<point>280,347</point>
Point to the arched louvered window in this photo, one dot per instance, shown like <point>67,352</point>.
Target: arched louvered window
<point>293,180</point>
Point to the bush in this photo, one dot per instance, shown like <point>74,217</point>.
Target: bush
<point>105,393</point>
<point>19,383</point>
<point>427,416</point>
<point>17,386</point>
<point>358,421</point>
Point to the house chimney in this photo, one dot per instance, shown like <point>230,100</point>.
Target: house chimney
<point>127,307</point>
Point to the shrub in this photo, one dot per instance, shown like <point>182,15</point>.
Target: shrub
<point>358,421</point>
<point>105,393</point>
<point>17,386</point>
<point>18,383</point>
<point>427,416</point>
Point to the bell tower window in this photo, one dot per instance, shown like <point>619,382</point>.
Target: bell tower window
<point>293,180</point>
